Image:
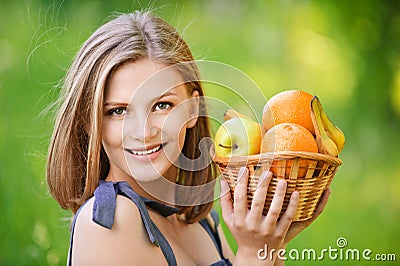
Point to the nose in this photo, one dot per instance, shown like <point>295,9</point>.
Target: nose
<point>140,128</point>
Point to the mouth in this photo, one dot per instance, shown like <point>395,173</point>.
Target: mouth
<point>145,152</point>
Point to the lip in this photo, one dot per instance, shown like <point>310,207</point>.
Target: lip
<point>149,153</point>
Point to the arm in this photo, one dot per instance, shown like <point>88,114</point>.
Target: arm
<point>297,227</point>
<point>250,228</point>
<point>126,243</point>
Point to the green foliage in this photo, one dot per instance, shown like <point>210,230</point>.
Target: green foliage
<point>346,52</point>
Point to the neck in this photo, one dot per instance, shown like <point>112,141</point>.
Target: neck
<point>156,190</point>
<point>161,190</point>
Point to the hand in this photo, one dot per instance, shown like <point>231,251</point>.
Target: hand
<point>296,227</point>
<point>251,229</point>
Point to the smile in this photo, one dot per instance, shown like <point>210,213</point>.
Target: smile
<point>145,152</point>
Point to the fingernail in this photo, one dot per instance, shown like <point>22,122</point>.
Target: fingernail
<point>223,183</point>
<point>281,184</point>
<point>262,178</point>
<point>241,171</point>
<point>240,174</point>
<point>295,195</point>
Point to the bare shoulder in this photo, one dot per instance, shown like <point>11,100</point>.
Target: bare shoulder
<point>125,243</point>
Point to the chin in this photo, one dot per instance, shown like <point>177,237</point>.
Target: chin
<point>147,172</point>
<point>144,174</point>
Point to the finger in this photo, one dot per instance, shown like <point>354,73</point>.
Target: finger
<point>257,204</point>
<point>240,195</point>
<point>287,218</point>
<point>276,204</point>
<point>226,202</point>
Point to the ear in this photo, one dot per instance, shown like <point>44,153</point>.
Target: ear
<point>194,109</point>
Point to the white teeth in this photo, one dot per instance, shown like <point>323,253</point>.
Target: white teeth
<point>146,152</point>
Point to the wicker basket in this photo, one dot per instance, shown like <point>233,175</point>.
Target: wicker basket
<point>308,173</point>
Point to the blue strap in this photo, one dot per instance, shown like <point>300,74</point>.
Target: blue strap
<point>104,210</point>
<point>105,203</point>
<point>222,262</point>
<point>213,232</point>
<point>215,217</point>
<point>165,247</point>
<point>217,239</point>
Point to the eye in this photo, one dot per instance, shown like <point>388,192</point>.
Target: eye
<point>120,111</point>
<point>161,106</point>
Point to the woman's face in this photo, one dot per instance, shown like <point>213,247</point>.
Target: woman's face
<point>146,114</point>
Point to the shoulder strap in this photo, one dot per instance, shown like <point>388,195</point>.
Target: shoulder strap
<point>125,190</point>
<point>213,221</point>
<point>210,224</point>
<point>104,212</point>
<point>105,203</point>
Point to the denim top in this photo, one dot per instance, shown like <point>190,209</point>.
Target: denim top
<point>104,211</point>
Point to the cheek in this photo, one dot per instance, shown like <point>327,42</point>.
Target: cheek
<point>175,127</point>
<point>173,132</point>
<point>112,134</point>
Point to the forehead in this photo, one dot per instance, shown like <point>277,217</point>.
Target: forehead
<point>143,80</point>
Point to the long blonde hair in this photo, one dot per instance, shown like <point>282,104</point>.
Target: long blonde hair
<point>76,158</point>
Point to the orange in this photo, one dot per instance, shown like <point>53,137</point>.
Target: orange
<point>291,106</point>
<point>289,137</point>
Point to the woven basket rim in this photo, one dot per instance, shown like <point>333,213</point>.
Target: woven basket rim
<point>270,156</point>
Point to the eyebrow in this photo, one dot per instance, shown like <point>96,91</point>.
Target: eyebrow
<point>168,93</point>
<point>115,104</point>
<point>112,103</point>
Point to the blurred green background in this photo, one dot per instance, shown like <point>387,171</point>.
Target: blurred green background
<point>346,52</point>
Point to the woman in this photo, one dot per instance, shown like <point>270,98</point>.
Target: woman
<point>131,109</point>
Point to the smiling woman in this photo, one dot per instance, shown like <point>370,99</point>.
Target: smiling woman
<point>131,108</point>
<point>126,39</point>
<point>93,142</point>
<point>154,125</point>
